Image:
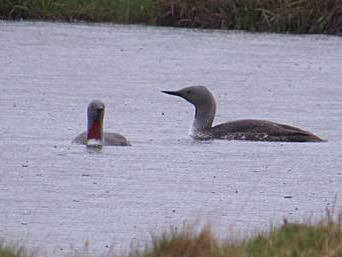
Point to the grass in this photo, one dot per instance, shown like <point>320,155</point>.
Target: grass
<point>291,239</point>
<point>11,251</point>
<point>120,11</point>
<point>299,240</point>
<point>296,16</point>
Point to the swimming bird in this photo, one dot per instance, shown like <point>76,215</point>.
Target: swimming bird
<point>94,134</point>
<point>249,129</point>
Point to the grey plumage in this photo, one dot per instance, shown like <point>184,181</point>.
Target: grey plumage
<point>249,129</point>
<point>95,115</point>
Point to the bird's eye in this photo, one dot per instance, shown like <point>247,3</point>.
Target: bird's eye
<point>188,91</point>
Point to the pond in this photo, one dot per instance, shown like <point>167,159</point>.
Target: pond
<point>60,198</point>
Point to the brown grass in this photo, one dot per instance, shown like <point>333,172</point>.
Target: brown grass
<point>188,243</point>
<point>289,240</point>
<point>296,16</point>
<point>299,16</point>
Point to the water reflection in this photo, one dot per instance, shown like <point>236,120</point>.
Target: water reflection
<point>94,149</point>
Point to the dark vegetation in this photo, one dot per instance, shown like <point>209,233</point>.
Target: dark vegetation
<point>299,16</point>
<point>291,239</point>
<point>118,11</point>
<point>296,16</point>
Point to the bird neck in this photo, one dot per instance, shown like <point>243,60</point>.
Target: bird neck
<point>204,117</point>
<point>95,130</point>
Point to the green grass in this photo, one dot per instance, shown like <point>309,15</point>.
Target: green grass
<point>296,16</point>
<point>120,11</point>
<point>299,240</point>
<point>11,251</point>
<point>291,239</point>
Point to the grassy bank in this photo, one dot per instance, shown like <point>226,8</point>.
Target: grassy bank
<point>296,16</point>
<point>323,239</point>
<point>118,11</point>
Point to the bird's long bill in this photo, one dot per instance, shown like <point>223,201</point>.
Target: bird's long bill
<point>176,93</point>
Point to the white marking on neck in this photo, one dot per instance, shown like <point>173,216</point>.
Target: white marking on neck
<point>192,131</point>
<point>198,132</point>
<point>94,142</point>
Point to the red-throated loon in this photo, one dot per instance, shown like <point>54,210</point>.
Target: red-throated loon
<point>256,130</point>
<point>94,134</point>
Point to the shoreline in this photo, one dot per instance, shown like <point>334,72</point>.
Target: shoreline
<point>290,16</point>
<point>290,239</point>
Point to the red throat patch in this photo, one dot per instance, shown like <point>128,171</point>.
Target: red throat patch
<point>95,131</point>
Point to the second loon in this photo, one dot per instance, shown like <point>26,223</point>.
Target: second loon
<point>94,135</point>
<point>250,129</point>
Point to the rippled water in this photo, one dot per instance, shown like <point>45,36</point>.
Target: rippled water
<point>55,196</point>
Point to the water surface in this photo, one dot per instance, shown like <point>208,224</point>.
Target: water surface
<point>56,196</point>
